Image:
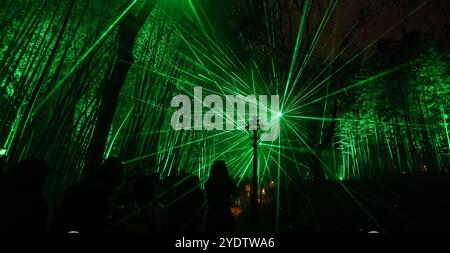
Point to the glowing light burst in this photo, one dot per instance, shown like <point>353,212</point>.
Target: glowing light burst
<point>306,98</point>
<point>219,70</point>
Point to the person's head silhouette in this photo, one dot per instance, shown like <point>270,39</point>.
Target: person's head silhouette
<point>111,172</point>
<point>219,171</point>
<point>2,165</point>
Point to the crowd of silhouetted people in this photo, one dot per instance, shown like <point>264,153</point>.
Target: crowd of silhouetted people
<point>110,201</point>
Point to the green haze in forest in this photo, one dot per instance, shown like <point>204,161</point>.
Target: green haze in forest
<point>346,112</point>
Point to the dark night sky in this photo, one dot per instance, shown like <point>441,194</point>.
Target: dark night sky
<point>384,15</point>
<point>434,16</point>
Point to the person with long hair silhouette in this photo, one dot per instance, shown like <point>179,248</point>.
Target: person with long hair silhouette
<point>220,189</point>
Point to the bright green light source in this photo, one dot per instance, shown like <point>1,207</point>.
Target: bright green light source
<point>279,114</point>
<point>2,152</point>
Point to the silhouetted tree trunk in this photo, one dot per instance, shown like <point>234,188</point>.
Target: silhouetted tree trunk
<point>128,29</point>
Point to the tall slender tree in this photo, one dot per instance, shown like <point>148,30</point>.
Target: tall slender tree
<point>128,29</point>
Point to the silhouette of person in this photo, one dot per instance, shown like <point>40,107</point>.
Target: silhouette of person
<point>187,212</point>
<point>2,164</point>
<point>153,213</point>
<point>2,170</point>
<point>85,206</point>
<point>219,189</point>
<point>23,206</point>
